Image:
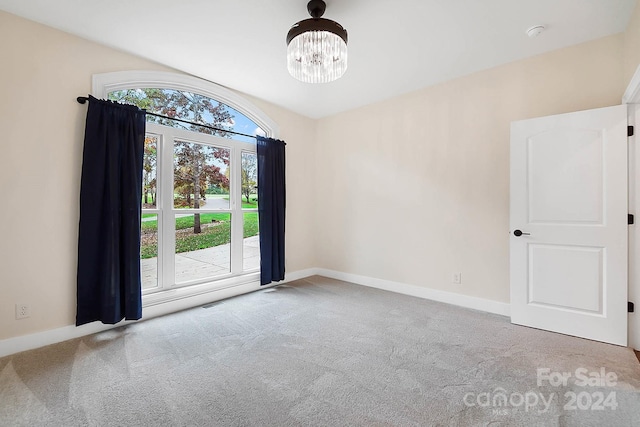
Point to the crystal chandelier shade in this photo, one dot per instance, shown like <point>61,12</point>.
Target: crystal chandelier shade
<point>317,47</point>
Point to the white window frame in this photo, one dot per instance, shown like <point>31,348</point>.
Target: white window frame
<point>168,291</point>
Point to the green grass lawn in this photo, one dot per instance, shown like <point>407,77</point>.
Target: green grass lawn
<point>210,237</point>
<point>216,235</point>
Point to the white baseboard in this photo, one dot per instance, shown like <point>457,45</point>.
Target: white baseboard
<point>475,303</point>
<point>301,274</point>
<point>41,339</point>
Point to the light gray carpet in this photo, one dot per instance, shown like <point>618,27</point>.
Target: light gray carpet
<point>315,352</point>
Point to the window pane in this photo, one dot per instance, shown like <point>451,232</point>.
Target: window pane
<point>149,250</point>
<point>249,180</point>
<point>199,172</point>
<point>203,246</point>
<point>251,242</point>
<point>191,107</point>
<point>149,177</point>
<point>200,176</point>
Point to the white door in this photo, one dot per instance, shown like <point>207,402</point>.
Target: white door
<point>569,224</point>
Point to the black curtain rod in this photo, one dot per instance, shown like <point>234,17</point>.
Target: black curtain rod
<point>84,99</point>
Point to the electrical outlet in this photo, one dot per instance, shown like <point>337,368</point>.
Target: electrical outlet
<point>23,311</point>
<point>456,278</point>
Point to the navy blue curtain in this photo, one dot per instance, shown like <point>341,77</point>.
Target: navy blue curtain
<point>108,281</point>
<point>271,207</point>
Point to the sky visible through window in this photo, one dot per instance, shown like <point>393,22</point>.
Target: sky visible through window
<point>243,124</point>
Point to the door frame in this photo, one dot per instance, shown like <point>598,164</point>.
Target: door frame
<point>631,97</point>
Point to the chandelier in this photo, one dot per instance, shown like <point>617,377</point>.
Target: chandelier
<point>317,47</point>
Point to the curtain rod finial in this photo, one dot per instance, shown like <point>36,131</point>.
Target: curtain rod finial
<point>82,99</point>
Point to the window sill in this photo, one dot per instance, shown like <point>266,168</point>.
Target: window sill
<point>209,289</point>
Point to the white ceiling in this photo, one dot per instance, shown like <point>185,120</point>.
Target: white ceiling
<point>395,46</point>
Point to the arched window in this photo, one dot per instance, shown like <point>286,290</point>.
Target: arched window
<point>199,204</point>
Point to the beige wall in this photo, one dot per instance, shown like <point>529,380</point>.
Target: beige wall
<point>415,188</point>
<point>299,133</point>
<point>632,45</point>
<point>42,71</point>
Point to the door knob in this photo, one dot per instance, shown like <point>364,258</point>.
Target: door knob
<point>519,233</point>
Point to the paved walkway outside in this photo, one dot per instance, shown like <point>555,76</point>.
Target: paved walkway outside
<point>203,263</point>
